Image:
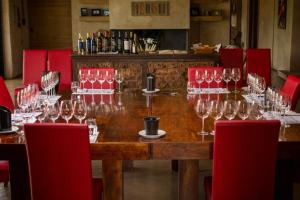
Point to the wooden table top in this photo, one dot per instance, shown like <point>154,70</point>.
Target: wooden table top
<point>120,122</point>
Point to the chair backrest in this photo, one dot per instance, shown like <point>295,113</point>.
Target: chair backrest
<point>34,63</point>
<point>192,72</point>
<point>291,88</point>
<point>244,159</point>
<point>5,98</point>
<point>259,61</point>
<point>231,58</point>
<point>60,60</point>
<point>59,161</point>
<point>97,85</point>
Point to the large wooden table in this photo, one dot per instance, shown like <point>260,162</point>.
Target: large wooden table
<point>120,122</point>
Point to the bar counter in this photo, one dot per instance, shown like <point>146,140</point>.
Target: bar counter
<point>170,69</point>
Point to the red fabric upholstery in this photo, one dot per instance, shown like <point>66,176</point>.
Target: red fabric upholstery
<point>5,98</point>
<point>60,60</point>
<point>97,85</point>
<point>59,161</point>
<point>259,61</point>
<point>4,171</point>
<point>291,88</point>
<point>34,63</point>
<point>191,76</point>
<point>231,58</point>
<point>244,160</point>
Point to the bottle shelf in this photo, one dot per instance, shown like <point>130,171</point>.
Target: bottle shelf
<point>94,18</point>
<point>206,18</point>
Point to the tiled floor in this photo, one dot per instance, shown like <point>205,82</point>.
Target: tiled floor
<point>150,179</point>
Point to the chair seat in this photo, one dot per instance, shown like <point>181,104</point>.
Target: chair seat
<point>97,188</point>
<point>4,171</point>
<point>208,187</point>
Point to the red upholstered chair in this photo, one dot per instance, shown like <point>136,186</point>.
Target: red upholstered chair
<point>34,63</point>
<point>291,88</point>
<point>60,60</point>
<point>259,61</point>
<point>192,72</point>
<point>59,162</point>
<point>231,58</point>
<point>5,98</point>
<point>4,172</point>
<point>244,160</point>
<point>97,85</point>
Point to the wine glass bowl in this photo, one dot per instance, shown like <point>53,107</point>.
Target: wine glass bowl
<point>66,110</point>
<point>230,109</point>
<point>216,109</point>
<point>80,110</point>
<point>244,109</point>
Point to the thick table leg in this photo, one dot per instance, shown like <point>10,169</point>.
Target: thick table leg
<point>188,180</point>
<point>112,179</point>
<point>19,180</point>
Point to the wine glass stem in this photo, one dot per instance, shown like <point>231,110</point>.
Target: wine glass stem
<point>67,121</point>
<point>235,86</point>
<point>119,87</point>
<point>202,130</point>
<point>227,85</point>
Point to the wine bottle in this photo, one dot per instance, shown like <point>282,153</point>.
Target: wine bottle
<point>113,42</point>
<point>99,42</point>
<point>105,42</point>
<point>134,44</point>
<point>94,43</point>
<point>80,44</point>
<point>130,41</point>
<point>120,42</point>
<point>126,43</point>
<point>88,43</point>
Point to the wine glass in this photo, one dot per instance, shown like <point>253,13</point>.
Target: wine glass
<point>66,110</point>
<point>243,109</point>
<point>216,109</point>
<point>80,110</point>
<point>82,78</point>
<point>217,77</point>
<point>256,111</point>
<point>91,76</point>
<point>74,86</point>
<point>202,111</point>
<point>208,77</point>
<point>230,109</point>
<point>109,78</point>
<point>43,109</point>
<point>53,111</point>
<point>100,77</point>
<point>119,78</point>
<point>236,76</point>
<point>92,125</point>
<point>226,76</point>
<point>199,77</point>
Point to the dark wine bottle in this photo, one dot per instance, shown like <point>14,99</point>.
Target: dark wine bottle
<point>94,43</point>
<point>88,43</point>
<point>113,42</point>
<point>126,43</point>
<point>99,42</point>
<point>105,42</point>
<point>120,43</point>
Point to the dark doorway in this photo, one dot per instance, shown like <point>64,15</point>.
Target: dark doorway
<point>1,46</point>
<point>253,22</point>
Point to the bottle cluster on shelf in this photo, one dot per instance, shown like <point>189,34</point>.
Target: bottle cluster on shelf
<point>108,42</point>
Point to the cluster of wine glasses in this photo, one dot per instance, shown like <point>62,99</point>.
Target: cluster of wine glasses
<point>277,102</point>
<point>229,109</point>
<point>49,82</point>
<point>209,76</point>
<point>100,76</point>
<point>256,84</point>
<point>66,109</point>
